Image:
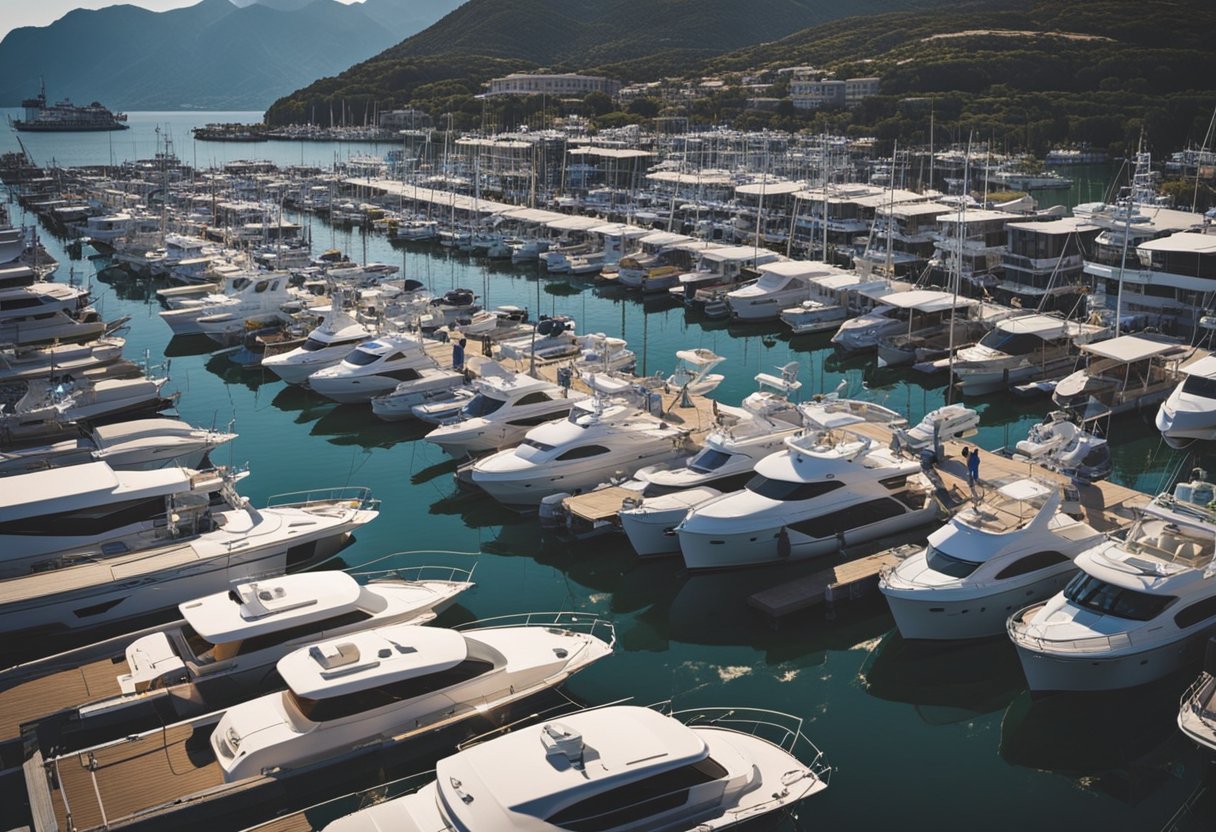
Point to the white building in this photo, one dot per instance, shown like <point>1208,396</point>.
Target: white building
<point>526,83</point>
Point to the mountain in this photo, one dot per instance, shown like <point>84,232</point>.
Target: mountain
<point>213,55</point>
<point>639,37</point>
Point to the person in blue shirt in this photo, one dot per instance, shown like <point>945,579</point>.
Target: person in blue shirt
<point>458,354</point>
<point>972,458</point>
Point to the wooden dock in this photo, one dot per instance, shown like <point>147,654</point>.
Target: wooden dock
<point>845,581</point>
<point>77,686</point>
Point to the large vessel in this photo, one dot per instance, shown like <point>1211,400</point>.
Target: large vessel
<point>65,116</point>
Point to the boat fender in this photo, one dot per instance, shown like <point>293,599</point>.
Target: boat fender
<point>783,543</point>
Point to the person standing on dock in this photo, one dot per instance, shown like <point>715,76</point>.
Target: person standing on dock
<point>972,458</point>
<point>458,354</point>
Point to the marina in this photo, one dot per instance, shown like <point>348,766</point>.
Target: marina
<point>702,639</point>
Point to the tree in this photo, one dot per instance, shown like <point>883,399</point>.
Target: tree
<point>599,102</point>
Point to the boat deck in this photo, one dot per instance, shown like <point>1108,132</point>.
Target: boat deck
<point>94,789</point>
<point>601,504</point>
<point>68,688</point>
<point>99,573</point>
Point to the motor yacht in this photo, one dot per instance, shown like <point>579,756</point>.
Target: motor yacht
<point>597,441</point>
<point>24,363</point>
<point>719,269</point>
<point>247,297</point>
<point>864,331</point>
<point>826,490</point>
<point>1189,412</point>
<point>221,651</point>
<point>600,353</point>
<point>743,436</point>
<point>1014,546</point>
<point>1142,606</point>
<point>1197,710</point>
<point>368,693</point>
<point>139,445</point>
<point>951,421</point>
<point>1019,350</point>
<point>781,285</point>
<point>417,231</point>
<point>620,767</point>
<point>46,313</point>
<point>834,299</point>
<point>374,368</point>
<point>338,334</point>
<point>112,546</point>
<point>1125,373</point>
<point>930,317</point>
<point>49,405</point>
<point>504,408</point>
<point>1067,446</point>
<point>432,384</point>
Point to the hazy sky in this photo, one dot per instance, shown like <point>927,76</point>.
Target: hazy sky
<point>16,13</point>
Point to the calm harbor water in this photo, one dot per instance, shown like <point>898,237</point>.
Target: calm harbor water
<point>945,737</point>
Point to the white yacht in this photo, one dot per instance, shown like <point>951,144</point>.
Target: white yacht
<point>139,445</point>
<point>249,296</point>
<point>1197,710</point>
<point>24,363</point>
<point>366,693</point>
<point>504,408</point>
<point>597,441</point>
<point>743,436</point>
<point>399,680</point>
<point>1189,412</point>
<point>223,648</point>
<point>824,491</point>
<point>48,404</point>
<point>47,313</point>
<point>695,371</point>
<point>781,285</point>
<point>1015,546</point>
<point>373,369</point>
<point>1125,373</point>
<point>864,331</point>
<point>432,384</point>
<point>616,768</point>
<point>338,334</point>
<point>1141,607</point>
<point>600,353</point>
<point>931,317</point>
<point>1021,349</point>
<point>834,299</point>
<point>104,555</point>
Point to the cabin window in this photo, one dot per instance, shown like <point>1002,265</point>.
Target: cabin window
<point>481,405</point>
<point>1031,563</point>
<point>940,562</point>
<point>1195,613</point>
<point>638,801</point>
<point>709,460</point>
<point>20,303</point>
<point>1199,386</point>
<point>1012,343</point>
<point>531,421</point>
<point>532,443</point>
<point>1097,595</point>
<point>277,637</point>
<point>408,374</point>
<point>93,520</point>
<point>261,287</point>
<point>849,518</point>
<point>339,707</point>
<point>312,345</point>
<point>532,398</point>
<point>361,358</point>
<point>784,491</point>
<point>584,452</point>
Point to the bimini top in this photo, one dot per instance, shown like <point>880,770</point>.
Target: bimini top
<point>1046,327</point>
<point>1128,348</point>
<point>80,486</point>
<point>538,771</point>
<point>267,606</point>
<point>927,300</point>
<point>371,658</point>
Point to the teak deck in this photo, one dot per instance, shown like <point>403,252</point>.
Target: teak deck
<point>67,688</point>
<point>100,787</point>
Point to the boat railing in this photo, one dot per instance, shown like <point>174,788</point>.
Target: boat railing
<point>1200,699</point>
<point>349,496</point>
<point>571,621</point>
<point>414,573</point>
<point>777,727</point>
<point>1016,628</point>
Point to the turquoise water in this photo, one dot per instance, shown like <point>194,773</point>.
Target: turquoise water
<point>944,738</point>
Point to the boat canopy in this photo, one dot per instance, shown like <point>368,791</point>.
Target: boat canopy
<point>1128,348</point>
<point>259,607</point>
<point>927,300</point>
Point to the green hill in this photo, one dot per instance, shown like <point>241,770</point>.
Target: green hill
<point>484,38</point>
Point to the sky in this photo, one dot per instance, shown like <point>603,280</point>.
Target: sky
<point>17,13</point>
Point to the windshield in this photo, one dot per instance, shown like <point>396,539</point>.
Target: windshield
<point>708,460</point>
<point>1199,386</point>
<point>481,405</point>
<point>939,561</point>
<point>312,345</point>
<point>785,491</point>
<point>1011,343</point>
<point>1107,599</point>
<point>361,358</point>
